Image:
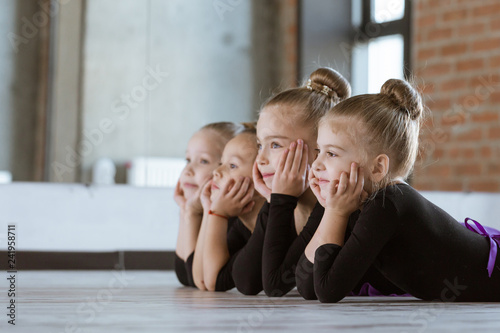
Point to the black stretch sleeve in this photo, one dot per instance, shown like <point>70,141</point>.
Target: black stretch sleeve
<point>189,270</point>
<point>282,246</point>
<point>184,270</point>
<point>379,282</point>
<point>180,270</point>
<point>237,237</point>
<point>304,278</point>
<point>247,269</point>
<point>337,270</point>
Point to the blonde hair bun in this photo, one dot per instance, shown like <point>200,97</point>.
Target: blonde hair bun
<point>338,86</point>
<point>404,96</point>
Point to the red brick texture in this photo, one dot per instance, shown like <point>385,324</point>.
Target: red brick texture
<point>456,63</point>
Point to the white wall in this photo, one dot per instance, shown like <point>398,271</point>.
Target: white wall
<point>75,217</point>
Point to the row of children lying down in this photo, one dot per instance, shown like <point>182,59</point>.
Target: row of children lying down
<point>315,197</point>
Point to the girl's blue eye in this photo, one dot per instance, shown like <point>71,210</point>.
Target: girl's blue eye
<point>232,166</point>
<point>274,145</point>
<point>204,162</point>
<point>259,146</point>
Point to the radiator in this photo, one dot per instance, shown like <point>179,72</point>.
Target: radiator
<point>154,171</point>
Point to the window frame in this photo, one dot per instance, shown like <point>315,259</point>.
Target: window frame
<point>397,27</point>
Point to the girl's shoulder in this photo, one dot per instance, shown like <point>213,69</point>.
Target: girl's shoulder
<point>398,197</point>
<point>404,201</point>
<point>397,192</point>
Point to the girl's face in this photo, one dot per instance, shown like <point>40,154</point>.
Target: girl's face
<point>335,152</point>
<point>237,161</point>
<point>203,156</point>
<point>274,135</point>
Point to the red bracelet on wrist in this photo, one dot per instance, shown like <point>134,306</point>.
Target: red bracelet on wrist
<point>211,212</point>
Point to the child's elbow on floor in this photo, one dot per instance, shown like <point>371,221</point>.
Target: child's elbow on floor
<point>210,285</point>
<point>274,291</point>
<point>308,296</point>
<point>210,282</point>
<point>200,285</point>
<point>330,298</point>
<point>248,290</point>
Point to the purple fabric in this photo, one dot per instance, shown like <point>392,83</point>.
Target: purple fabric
<point>493,235</point>
<point>368,290</point>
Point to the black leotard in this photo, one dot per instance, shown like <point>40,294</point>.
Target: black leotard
<point>414,244</point>
<point>282,246</point>
<point>283,249</point>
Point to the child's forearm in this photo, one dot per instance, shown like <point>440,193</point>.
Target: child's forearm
<point>331,230</point>
<point>179,249</point>
<point>215,251</point>
<point>198,256</point>
<point>189,228</point>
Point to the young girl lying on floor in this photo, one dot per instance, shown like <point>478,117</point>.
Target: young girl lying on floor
<point>230,194</point>
<point>203,155</point>
<point>369,143</point>
<point>287,126</point>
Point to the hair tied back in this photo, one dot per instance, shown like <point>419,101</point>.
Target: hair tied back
<point>326,90</point>
<point>404,96</point>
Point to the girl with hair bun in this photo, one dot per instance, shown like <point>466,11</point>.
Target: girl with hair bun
<point>203,155</point>
<point>367,146</point>
<point>286,129</point>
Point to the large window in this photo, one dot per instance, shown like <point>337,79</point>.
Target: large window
<point>381,43</point>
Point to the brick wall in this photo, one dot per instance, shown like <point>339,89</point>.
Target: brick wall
<point>456,61</point>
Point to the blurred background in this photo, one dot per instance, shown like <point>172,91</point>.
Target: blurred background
<point>130,80</point>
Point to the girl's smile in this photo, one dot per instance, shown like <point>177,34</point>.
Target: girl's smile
<point>237,161</point>
<point>187,185</point>
<point>267,175</point>
<point>336,152</point>
<point>202,157</point>
<point>274,134</point>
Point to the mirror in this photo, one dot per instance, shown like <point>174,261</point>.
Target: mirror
<point>125,80</point>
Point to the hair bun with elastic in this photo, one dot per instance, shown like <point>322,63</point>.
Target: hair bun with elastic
<point>329,82</point>
<point>405,96</point>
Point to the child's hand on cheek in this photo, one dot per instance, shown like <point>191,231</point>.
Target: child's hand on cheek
<point>235,198</point>
<point>193,204</point>
<point>206,192</point>
<point>345,196</point>
<point>179,195</point>
<point>291,173</point>
<point>314,184</point>
<point>259,183</point>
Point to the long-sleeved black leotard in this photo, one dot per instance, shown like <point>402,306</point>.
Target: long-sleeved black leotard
<point>282,246</point>
<point>415,245</point>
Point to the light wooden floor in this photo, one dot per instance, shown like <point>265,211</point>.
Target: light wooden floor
<point>145,301</point>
